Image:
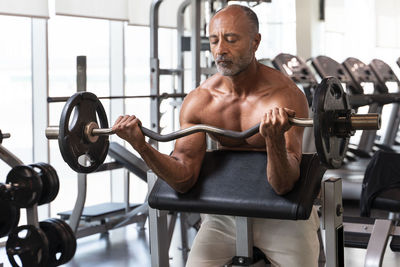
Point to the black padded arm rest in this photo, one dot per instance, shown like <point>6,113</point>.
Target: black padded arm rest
<point>128,160</point>
<point>235,183</point>
<point>388,200</point>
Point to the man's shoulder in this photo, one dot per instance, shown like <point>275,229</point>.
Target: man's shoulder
<point>201,93</point>
<point>206,89</point>
<point>281,88</point>
<point>197,99</point>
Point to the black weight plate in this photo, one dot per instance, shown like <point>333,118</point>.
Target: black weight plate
<point>44,176</point>
<point>9,217</point>
<point>30,245</point>
<point>51,184</point>
<point>383,72</point>
<point>326,66</point>
<point>55,181</point>
<point>359,72</point>
<point>29,188</point>
<point>329,98</point>
<point>58,242</point>
<point>71,139</point>
<point>71,239</point>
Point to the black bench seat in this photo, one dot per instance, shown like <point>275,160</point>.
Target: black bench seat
<point>235,183</point>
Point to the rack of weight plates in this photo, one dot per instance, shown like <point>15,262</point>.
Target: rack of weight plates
<point>47,243</point>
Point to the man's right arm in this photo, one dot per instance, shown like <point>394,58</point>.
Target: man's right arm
<point>180,169</point>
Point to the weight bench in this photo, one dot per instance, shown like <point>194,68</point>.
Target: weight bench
<point>234,183</point>
<point>114,214</point>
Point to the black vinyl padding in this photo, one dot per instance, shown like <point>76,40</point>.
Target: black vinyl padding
<point>235,183</point>
<point>395,243</point>
<point>381,183</point>
<point>388,200</point>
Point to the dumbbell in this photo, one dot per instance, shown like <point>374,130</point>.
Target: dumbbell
<point>9,217</point>
<point>79,133</point>
<point>52,244</point>
<point>27,185</point>
<point>3,136</point>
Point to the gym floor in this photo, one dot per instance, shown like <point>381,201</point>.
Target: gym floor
<point>128,247</point>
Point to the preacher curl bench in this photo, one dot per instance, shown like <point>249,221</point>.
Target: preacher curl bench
<point>234,183</point>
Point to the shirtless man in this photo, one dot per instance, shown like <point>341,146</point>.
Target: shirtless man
<point>242,93</point>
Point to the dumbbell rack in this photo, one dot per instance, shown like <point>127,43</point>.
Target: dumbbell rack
<point>12,160</point>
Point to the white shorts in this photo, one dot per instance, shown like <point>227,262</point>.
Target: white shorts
<point>286,243</point>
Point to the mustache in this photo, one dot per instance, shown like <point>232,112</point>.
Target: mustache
<point>222,58</point>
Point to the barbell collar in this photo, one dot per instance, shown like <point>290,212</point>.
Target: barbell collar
<point>370,121</point>
<point>52,132</point>
<point>3,136</point>
<point>355,122</point>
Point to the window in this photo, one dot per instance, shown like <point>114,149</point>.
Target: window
<point>70,37</point>
<point>16,88</point>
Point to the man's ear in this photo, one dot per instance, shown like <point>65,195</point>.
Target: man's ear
<point>256,41</point>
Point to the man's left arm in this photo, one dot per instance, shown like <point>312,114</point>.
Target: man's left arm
<point>283,144</point>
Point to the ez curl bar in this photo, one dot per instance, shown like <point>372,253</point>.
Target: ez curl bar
<point>334,122</point>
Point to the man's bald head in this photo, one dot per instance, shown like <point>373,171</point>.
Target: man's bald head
<point>251,16</point>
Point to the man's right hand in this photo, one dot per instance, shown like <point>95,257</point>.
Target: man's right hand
<point>128,128</point>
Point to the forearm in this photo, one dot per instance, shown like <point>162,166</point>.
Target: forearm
<point>169,168</point>
<point>283,168</point>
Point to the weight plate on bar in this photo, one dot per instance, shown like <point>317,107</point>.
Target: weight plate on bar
<point>329,101</point>
<point>80,154</point>
<point>30,245</point>
<point>50,182</point>
<point>27,186</point>
<point>9,217</point>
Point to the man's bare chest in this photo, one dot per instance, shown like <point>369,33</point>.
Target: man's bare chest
<point>236,117</point>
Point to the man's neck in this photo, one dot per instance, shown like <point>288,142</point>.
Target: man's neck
<point>244,82</point>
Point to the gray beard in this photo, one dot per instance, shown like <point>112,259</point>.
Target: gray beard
<point>234,69</point>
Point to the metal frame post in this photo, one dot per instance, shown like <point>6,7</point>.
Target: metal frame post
<point>180,33</point>
<point>244,237</point>
<point>158,230</point>
<point>333,222</point>
<point>195,42</point>
<point>82,178</point>
<point>40,85</point>
<point>154,70</point>
<point>378,242</point>
<point>40,107</point>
